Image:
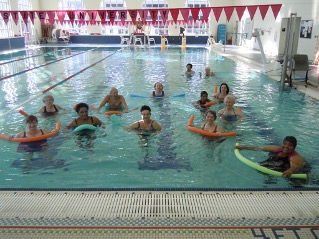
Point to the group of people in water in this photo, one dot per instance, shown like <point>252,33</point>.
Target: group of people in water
<point>284,157</point>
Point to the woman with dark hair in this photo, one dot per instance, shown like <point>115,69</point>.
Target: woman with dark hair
<point>282,158</point>
<point>200,104</point>
<point>82,109</point>
<point>146,123</point>
<point>209,124</point>
<point>223,91</point>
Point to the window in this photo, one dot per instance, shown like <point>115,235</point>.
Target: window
<point>158,28</point>
<point>73,5</point>
<point>26,29</point>
<point>197,27</point>
<point>116,28</point>
<point>5,29</point>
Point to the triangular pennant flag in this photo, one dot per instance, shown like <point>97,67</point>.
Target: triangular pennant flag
<point>275,9</point>
<point>25,16</point>
<point>195,12</point>
<point>122,15</point>
<point>217,11</point>
<point>154,14</point>
<point>15,16</point>
<point>92,15</point>
<point>263,10</point>
<point>174,13</point>
<point>72,16</point>
<point>185,13</point>
<point>206,12</point>
<point>229,12</point>
<point>164,15</point>
<point>61,16</point>
<point>81,15</point>
<point>41,16</point>
<point>31,16</point>
<point>102,15</point>
<point>5,16</point>
<point>112,15</point>
<point>133,15</point>
<point>252,10</point>
<point>51,15</point>
<point>240,11</point>
<point>143,15</point>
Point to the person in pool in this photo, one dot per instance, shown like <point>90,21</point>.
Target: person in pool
<point>146,123</point>
<point>189,72</point>
<point>200,104</point>
<point>209,124</point>
<point>114,100</point>
<point>50,109</point>
<point>208,72</point>
<point>230,114</point>
<point>282,158</point>
<point>158,91</point>
<point>29,148</point>
<point>223,91</point>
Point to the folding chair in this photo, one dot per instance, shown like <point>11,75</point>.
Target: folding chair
<point>125,40</point>
<point>137,39</point>
<point>150,39</point>
<point>299,63</point>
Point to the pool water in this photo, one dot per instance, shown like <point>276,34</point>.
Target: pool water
<point>173,158</point>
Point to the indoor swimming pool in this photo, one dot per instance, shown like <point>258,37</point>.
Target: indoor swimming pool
<point>175,158</point>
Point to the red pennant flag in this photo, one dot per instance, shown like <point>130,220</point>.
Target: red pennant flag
<point>164,15</point>
<point>143,15</point>
<point>229,12</point>
<point>25,16</point>
<point>92,15</point>
<point>102,15</point>
<point>112,15</point>
<point>275,9</point>
<point>61,16</point>
<point>206,12</point>
<point>72,15</point>
<point>122,15</point>
<point>51,15</point>
<point>252,10</point>
<point>240,11</point>
<point>81,15</point>
<point>185,13</point>
<point>31,16</point>
<point>263,10</point>
<point>217,11</point>
<point>154,14</point>
<point>15,16</point>
<point>41,16</point>
<point>174,13</point>
<point>133,15</point>
<point>195,12</point>
<point>5,16</point>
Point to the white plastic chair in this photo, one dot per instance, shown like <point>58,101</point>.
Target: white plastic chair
<point>165,40</point>
<point>53,36</point>
<point>150,39</point>
<point>125,40</point>
<point>137,39</point>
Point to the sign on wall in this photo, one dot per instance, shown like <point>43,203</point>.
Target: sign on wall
<point>306,28</point>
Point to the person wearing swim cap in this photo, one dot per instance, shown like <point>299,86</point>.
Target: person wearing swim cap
<point>282,158</point>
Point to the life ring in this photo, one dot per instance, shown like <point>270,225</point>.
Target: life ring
<point>84,126</point>
<point>36,138</point>
<point>190,127</point>
<point>264,169</point>
<point>209,103</point>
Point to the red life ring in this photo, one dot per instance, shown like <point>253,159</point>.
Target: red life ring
<point>190,127</point>
<point>36,138</point>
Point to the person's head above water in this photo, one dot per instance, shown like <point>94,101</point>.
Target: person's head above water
<point>292,140</point>
<point>145,107</point>
<point>81,105</point>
